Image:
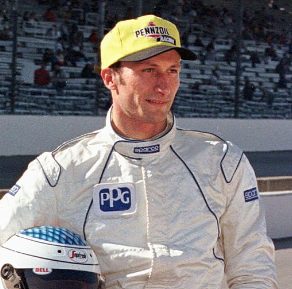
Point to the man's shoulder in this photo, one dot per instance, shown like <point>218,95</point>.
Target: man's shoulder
<point>200,136</point>
<point>80,149</point>
<point>211,146</point>
<point>68,155</point>
<point>207,140</point>
<point>78,142</point>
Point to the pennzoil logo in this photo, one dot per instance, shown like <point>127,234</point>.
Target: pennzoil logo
<point>161,34</point>
<point>77,256</point>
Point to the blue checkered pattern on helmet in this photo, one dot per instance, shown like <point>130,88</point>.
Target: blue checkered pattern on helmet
<point>54,234</point>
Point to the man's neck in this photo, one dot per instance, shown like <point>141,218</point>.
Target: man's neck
<point>140,132</point>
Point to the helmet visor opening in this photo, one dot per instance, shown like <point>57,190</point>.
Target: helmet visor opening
<point>62,279</point>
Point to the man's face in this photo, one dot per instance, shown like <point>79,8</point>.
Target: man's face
<point>145,90</point>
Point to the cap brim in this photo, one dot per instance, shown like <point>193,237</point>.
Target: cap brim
<point>185,54</point>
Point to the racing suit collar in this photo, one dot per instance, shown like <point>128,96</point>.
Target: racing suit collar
<point>139,149</point>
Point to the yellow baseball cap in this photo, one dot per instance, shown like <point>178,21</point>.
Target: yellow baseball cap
<point>140,38</point>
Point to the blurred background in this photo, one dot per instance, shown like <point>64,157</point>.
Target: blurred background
<point>49,53</point>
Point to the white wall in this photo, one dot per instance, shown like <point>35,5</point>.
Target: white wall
<point>30,135</point>
<point>278,213</point>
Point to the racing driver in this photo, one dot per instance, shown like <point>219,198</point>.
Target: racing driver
<point>162,207</point>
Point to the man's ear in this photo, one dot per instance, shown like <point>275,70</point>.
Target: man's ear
<point>108,77</point>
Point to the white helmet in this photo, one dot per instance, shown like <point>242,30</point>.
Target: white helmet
<point>48,258</point>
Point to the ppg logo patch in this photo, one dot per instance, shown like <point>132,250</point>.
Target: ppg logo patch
<point>251,195</point>
<point>14,190</point>
<point>114,199</point>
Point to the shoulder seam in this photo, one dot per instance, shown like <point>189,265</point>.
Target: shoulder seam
<point>221,166</point>
<point>72,141</point>
<point>45,174</point>
<point>204,132</point>
<point>221,162</point>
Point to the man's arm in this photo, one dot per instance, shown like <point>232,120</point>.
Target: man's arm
<point>30,202</point>
<point>249,253</point>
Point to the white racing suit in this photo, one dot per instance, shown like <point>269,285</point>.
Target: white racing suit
<point>177,211</point>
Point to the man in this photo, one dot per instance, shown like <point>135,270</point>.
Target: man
<point>59,78</point>
<point>248,89</point>
<point>161,207</point>
<point>42,76</point>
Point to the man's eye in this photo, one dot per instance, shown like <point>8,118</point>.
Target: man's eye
<point>148,69</point>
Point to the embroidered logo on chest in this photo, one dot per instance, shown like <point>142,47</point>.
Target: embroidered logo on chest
<point>147,150</point>
<point>113,199</point>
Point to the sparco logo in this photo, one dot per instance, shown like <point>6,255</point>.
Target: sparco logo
<point>13,191</point>
<point>250,195</point>
<point>77,256</point>
<point>147,150</point>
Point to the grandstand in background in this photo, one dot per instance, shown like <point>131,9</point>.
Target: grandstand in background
<point>208,84</point>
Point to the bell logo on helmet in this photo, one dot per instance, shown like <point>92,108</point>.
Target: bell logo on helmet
<point>78,256</point>
<point>42,271</point>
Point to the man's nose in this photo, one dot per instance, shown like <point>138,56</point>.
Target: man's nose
<point>163,83</point>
